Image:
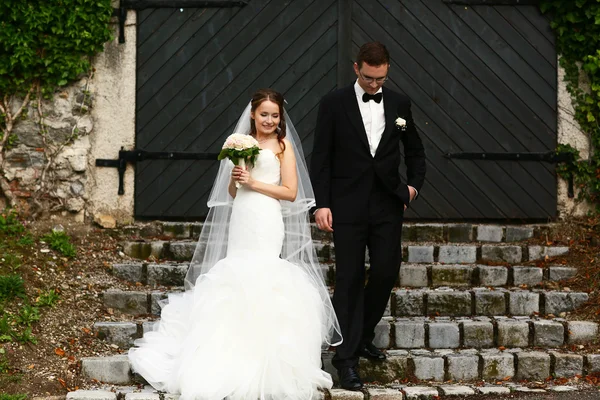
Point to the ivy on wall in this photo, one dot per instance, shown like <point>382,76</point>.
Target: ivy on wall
<point>576,24</point>
<point>44,44</point>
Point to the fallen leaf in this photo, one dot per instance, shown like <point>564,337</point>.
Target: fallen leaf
<point>59,352</point>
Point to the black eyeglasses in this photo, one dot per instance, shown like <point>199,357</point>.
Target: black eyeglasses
<point>368,79</point>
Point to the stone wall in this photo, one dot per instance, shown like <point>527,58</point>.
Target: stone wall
<point>51,168</point>
<point>92,118</point>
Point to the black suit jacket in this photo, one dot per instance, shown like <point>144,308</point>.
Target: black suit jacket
<point>343,171</point>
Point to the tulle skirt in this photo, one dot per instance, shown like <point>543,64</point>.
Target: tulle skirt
<point>250,329</point>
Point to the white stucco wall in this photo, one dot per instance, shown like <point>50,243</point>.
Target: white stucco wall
<point>569,132</point>
<point>114,116</point>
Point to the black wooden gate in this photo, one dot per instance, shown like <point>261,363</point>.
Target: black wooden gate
<point>482,78</point>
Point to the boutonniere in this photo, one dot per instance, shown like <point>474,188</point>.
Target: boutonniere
<point>401,123</point>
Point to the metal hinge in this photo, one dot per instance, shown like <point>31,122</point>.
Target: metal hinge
<point>121,11</point>
<point>134,156</point>
<point>549,157</point>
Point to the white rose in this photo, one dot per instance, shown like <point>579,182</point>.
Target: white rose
<point>401,122</point>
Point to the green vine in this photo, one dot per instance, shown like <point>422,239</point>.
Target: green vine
<point>576,24</point>
<point>44,45</point>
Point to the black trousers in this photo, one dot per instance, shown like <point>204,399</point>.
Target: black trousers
<point>359,306</point>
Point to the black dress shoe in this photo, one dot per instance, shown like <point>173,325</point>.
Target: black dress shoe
<point>349,378</point>
<point>371,352</point>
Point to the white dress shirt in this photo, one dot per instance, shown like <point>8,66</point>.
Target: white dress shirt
<point>373,118</point>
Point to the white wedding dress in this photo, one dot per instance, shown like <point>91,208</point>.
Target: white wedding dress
<point>251,328</point>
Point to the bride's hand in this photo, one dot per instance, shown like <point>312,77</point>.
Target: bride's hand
<point>241,175</point>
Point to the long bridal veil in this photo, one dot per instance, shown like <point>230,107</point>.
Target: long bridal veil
<point>297,246</point>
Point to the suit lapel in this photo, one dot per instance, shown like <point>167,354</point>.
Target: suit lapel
<point>389,110</point>
<point>354,115</point>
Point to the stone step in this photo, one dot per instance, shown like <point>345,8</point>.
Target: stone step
<point>379,392</point>
<point>431,333</point>
<point>414,232</point>
<point>411,275</point>
<point>419,365</point>
<point>458,253</point>
<point>440,302</point>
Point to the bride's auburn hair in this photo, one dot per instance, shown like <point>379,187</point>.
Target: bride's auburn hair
<point>258,98</point>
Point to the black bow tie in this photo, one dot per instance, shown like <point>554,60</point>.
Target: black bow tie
<point>375,97</point>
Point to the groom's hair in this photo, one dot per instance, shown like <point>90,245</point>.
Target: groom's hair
<point>373,53</point>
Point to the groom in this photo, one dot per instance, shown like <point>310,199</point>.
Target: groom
<point>361,198</point>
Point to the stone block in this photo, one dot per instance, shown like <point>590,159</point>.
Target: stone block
<point>413,276</point>
<point>142,396</point>
<point>455,390</point>
<point>409,303</point>
<point>114,369</point>
<point>460,233</point>
<point>384,394</point>
<point>166,275</point>
<point>176,230</point>
<point>91,395</point>
<point>134,303</point>
<point>462,367</point>
<point>548,333</point>
<point>395,367</point>
<point>429,232</point>
<point>492,275</point>
<point>428,367</point>
<point>129,272</point>
<point>513,333</point>
<point>156,298</point>
<point>508,254</point>
<point>566,365</point>
<point>533,365</point>
<point>489,233</point>
<point>577,299</point>
<point>558,302</point>
<point>523,303</point>
<point>420,254</point>
<point>490,303</point>
<point>453,254</point>
<point>182,251</point>
<point>540,252</point>
<point>420,392</point>
<point>592,363</point>
<point>139,250</point>
<point>581,332</point>
<point>120,333</point>
<point>409,334</point>
<point>497,366</point>
<point>451,275</point>
<point>558,273</point>
<point>382,334</point>
<point>518,233</point>
<point>444,335</point>
<point>448,303</point>
<point>530,276</point>
<point>493,390</point>
<point>478,334</point>
<point>341,394</point>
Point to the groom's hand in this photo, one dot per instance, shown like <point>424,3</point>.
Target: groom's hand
<point>412,193</point>
<point>324,219</point>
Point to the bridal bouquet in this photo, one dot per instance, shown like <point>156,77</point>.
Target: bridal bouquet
<point>240,148</point>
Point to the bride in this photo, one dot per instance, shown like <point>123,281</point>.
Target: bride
<point>256,311</point>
